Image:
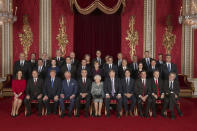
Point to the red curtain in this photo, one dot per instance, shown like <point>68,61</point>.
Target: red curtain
<point>133,8</point>
<point>195,53</point>
<point>30,8</point>
<point>97,31</point>
<point>59,8</point>
<point>163,9</point>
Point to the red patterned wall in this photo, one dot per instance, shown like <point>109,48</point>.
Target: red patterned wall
<point>195,53</point>
<point>163,9</point>
<point>0,50</point>
<point>133,8</point>
<point>30,8</point>
<point>59,8</point>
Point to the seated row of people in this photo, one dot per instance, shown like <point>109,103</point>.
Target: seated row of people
<point>97,66</point>
<point>140,92</point>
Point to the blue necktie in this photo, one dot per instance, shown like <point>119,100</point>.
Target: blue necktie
<point>169,67</point>
<point>52,81</point>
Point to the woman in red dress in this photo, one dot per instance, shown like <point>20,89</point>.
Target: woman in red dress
<point>18,88</point>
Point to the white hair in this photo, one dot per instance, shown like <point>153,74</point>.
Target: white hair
<point>97,77</point>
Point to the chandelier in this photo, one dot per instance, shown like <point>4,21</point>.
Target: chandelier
<point>7,16</point>
<point>191,17</point>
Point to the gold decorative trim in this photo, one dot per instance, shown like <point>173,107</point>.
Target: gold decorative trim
<point>26,38</point>
<point>132,37</point>
<point>145,23</point>
<point>97,4</point>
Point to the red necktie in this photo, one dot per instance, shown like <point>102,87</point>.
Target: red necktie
<point>158,93</point>
<point>143,87</point>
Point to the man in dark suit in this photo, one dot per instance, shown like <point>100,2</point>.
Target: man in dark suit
<point>46,61</point>
<point>113,91</point>
<point>118,63</point>
<point>110,66</point>
<point>171,90</point>
<point>68,92</point>
<point>152,68</point>
<point>52,89</point>
<point>143,92</point>
<point>34,91</point>
<point>168,67</point>
<point>160,61</point>
<point>134,67</point>
<point>33,62</point>
<point>22,65</point>
<point>42,71</point>
<point>121,70</point>
<point>99,59</point>
<point>156,89</point>
<point>146,61</point>
<point>68,67</point>
<point>84,88</point>
<point>83,66</point>
<point>59,59</point>
<point>74,61</point>
<point>128,85</point>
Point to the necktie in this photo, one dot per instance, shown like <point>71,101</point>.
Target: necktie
<point>52,81</point>
<point>147,62</point>
<point>113,88</point>
<point>134,67</point>
<point>171,86</point>
<point>127,81</point>
<point>169,67</point>
<point>143,83</point>
<point>68,82</point>
<point>35,81</point>
<point>158,93</point>
<point>22,63</point>
<point>68,67</point>
<point>110,66</point>
<point>45,63</point>
<point>84,81</point>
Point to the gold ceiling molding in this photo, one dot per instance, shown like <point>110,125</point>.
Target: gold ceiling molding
<point>169,39</point>
<point>62,36</point>
<point>26,38</point>
<point>132,37</point>
<point>97,4</point>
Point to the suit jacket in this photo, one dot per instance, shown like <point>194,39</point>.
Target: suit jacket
<point>55,91</point>
<point>61,62</point>
<point>116,63</point>
<point>121,71</point>
<point>134,73</point>
<point>43,73</point>
<point>150,71</point>
<point>102,62</point>
<point>79,71</point>
<point>76,63</point>
<point>98,72</point>
<point>165,72</point>
<point>65,68</point>
<point>84,88</point>
<point>46,63</point>
<point>154,88</point>
<point>33,89</point>
<point>176,88</point>
<point>70,89</point>
<point>139,88</point>
<point>146,67</point>
<point>26,69</point>
<point>128,88</point>
<point>33,64</point>
<point>108,86</point>
<point>107,69</point>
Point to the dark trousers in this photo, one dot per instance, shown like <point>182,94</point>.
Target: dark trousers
<point>141,104</point>
<point>107,103</point>
<point>27,103</point>
<point>46,102</point>
<point>171,101</point>
<point>87,104</point>
<point>133,102</point>
<point>154,109</point>
<point>71,106</point>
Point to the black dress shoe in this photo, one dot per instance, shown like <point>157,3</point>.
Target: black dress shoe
<point>164,116</point>
<point>77,115</point>
<point>62,115</point>
<point>180,114</point>
<point>172,117</point>
<point>55,112</point>
<point>69,115</point>
<point>86,115</point>
<point>28,114</point>
<point>108,115</point>
<point>141,115</point>
<point>118,115</point>
<point>48,113</point>
<point>39,114</point>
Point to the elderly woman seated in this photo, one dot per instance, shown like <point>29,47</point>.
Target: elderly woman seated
<point>98,94</point>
